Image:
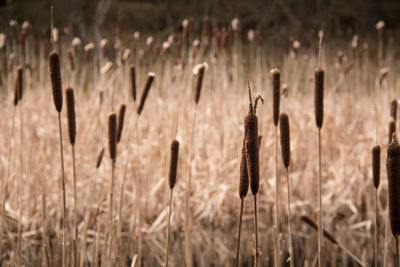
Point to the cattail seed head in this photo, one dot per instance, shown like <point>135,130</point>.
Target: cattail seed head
<point>244,177</point>
<point>376,165</point>
<point>120,122</point>
<point>319,96</point>
<point>19,83</point>
<point>71,115</point>
<point>311,223</point>
<point>393,174</point>
<point>133,81</point>
<point>55,74</point>
<point>285,139</point>
<point>149,81</point>
<point>392,129</point>
<point>275,75</point>
<point>199,83</point>
<point>112,136</point>
<point>252,159</point>
<point>173,167</point>
<point>99,158</point>
<point>393,109</point>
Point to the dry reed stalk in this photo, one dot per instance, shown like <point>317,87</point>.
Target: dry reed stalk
<point>376,166</point>
<point>173,167</point>
<point>19,89</point>
<point>70,99</point>
<point>285,147</point>
<point>44,231</point>
<point>275,76</point>
<point>132,72</point>
<point>120,121</point>
<point>149,81</point>
<point>243,189</point>
<point>83,249</point>
<point>319,117</point>
<point>112,145</point>
<point>393,174</point>
<point>55,75</point>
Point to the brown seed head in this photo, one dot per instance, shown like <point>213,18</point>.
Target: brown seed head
<point>275,75</point>
<point>19,83</point>
<point>376,165</point>
<point>393,174</point>
<point>252,157</point>
<point>149,81</point>
<point>133,81</point>
<point>99,158</point>
<point>55,75</point>
<point>71,114</point>
<point>173,167</point>
<point>199,83</point>
<point>244,177</point>
<point>285,139</point>
<point>393,109</point>
<point>319,96</point>
<point>120,122</point>
<point>112,136</point>
<point>392,129</point>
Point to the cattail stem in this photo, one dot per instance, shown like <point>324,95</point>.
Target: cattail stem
<point>256,252</point>
<point>168,227</point>
<point>397,251</point>
<point>239,233</point>
<point>44,239</point>
<point>276,237</point>
<point>111,218</point>
<point>75,240</point>
<point>21,167</point>
<point>376,228</point>
<point>289,220</point>
<point>319,211</point>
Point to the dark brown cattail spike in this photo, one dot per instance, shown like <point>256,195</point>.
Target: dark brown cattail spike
<point>393,174</point>
<point>55,75</point>
<point>319,96</point>
<point>19,83</point>
<point>99,158</point>
<point>120,123</point>
<point>392,129</point>
<point>251,145</point>
<point>244,177</point>
<point>393,109</point>
<point>376,165</point>
<point>112,136</point>
<point>275,75</point>
<point>310,222</point>
<point>149,81</point>
<point>285,139</point>
<point>133,81</point>
<point>71,115</point>
<point>199,83</point>
<point>173,167</point>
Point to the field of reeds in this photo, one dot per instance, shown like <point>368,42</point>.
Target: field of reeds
<point>144,151</point>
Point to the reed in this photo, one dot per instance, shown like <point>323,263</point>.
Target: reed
<point>99,158</point>
<point>112,146</point>
<point>392,129</point>
<point>376,167</point>
<point>120,121</point>
<point>149,81</point>
<point>132,72</point>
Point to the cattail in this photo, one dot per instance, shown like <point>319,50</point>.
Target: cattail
<point>275,94</point>
<point>392,129</point>
<point>376,165</point>
<point>173,163</point>
<point>244,177</point>
<point>19,82</point>
<point>55,75</point>
<point>71,59</point>
<point>149,81</point>
<point>112,136</point>
<point>199,82</point>
<point>133,81</point>
<point>120,122</point>
<point>99,158</point>
<point>319,96</point>
<point>393,109</point>
<point>71,115</point>
<point>285,139</point>
<point>259,141</point>
<point>251,142</point>
<point>310,222</point>
<point>393,174</point>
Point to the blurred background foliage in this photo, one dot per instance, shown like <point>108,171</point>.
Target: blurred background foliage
<point>276,19</point>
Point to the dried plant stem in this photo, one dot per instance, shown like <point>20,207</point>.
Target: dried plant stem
<point>376,228</point>
<point>21,168</point>
<point>44,238</point>
<point>319,210</point>
<point>289,220</point>
<point>276,227</point>
<point>75,240</point>
<point>110,219</point>
<point>119,226</point>
<point>239,233</point>
<point>385,250</point>
<point>255,232</point>
<point>168,227</point>
<point>397,251</point>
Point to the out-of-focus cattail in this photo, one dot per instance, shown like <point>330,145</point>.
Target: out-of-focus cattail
<point>319,96</point>
<point>311,223</point>
<point>199,82</point>
<point>251,141</point>
<point>71,59</point>
<point>244,177</point>
<point>392,129</point>
<point>393,109</point>
<point>120,122</point>
<point>285,139</point>
<point>19,83</point>
<point>173,167</point>
<point>71,115</point>
<point>99,158</point>
<point>275,75</point>
<point>133,81</point>
<point>149,81</point>
<point>393,174</point>
<point>55,75</point>
<point>112,136</point>
<point>376,165</point>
